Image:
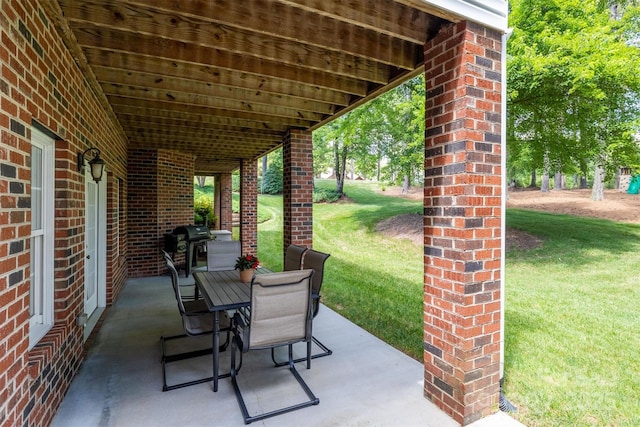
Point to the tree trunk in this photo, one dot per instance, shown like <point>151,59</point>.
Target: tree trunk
<point>264,172</point>
<point>597,192</point>
<point>534,178</point>
<point>201,180</point>
<point>583,182</point>
<point>340,166</point>
<point>544,187</point>
<point>405,184</point>
<point>557,181</point>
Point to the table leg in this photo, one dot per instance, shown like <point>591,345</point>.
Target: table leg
<point>187,260</point>
<point>216,348</point>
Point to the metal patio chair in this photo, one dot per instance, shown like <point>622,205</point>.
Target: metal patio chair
<point>293,257</point>
<point>196,321</point>
<point>193,295</point>
<point>280,315</point>
<point>312,260</point>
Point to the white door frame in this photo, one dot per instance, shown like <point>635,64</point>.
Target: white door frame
<point>100,252</point>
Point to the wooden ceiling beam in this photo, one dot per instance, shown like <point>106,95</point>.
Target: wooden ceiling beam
<point>385,16</point>
<point>205,139</point>
<point>257,53</point>
<point>133,120</point>
<point>136,96</point>
<point>172,51</point>
<point>228,149</point>
<point>161,109</point>
<point>105,63</point>
<point>313,84</point>
<point>198,131</point>
<point>172,86</point>
<point>252,31</point>
<point>152,114</point>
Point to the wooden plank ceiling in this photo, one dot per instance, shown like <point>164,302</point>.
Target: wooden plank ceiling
<point>224,79</point>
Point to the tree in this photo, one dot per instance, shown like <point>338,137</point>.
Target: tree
<point>403,110</point>
<point>572,83</point>
<point>388,129</point>
<point>272,180</point>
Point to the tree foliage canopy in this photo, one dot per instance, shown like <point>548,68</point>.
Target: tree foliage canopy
<point>572,87</point>
<point>384,139</point>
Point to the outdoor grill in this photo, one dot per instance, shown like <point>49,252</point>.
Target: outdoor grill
<point>183,239</point>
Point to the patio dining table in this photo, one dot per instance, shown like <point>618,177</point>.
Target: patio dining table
<point>223,290</point>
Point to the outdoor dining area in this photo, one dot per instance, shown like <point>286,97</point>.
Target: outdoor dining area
<point>178,350</point>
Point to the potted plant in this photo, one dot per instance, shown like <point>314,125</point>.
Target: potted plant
<point>247,265</point>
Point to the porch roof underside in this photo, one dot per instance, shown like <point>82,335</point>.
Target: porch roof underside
<point>224,80</point>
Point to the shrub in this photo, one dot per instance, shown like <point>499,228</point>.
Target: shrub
<point>203,212</point>
<point>272,180</point>
<point>325,195</point>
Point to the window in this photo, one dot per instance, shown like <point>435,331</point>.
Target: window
<point>42,233</point>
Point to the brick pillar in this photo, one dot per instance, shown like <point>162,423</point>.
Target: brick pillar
<point>249,206</point>
<point>224,208</point>
<point>462,208</point>
<point>297,153</point>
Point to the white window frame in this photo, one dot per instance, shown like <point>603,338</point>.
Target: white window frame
<point>41,297</point>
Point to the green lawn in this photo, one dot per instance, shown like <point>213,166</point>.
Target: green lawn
<point>361,277</point>
<point>572,317</point>
<point>572,307</point>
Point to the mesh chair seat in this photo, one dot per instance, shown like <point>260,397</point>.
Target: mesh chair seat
<point>196,306</point>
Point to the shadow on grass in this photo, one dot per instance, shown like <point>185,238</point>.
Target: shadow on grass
<point>571,240</point>
<point>372,207</point>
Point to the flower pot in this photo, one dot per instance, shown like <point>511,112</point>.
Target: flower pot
<point>246,275</point>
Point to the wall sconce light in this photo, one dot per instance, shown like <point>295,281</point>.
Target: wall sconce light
<point>96,163</point>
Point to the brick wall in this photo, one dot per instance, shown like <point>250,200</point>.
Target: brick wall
<point>249,206</point>
<point>462,205</point>
<point>160,199</point>
<point>297,183</point>
<point>117,237</point>
<point>225,208</point>
<point>40,82</point>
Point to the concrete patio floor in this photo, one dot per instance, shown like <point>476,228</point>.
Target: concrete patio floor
<point>364,382</point>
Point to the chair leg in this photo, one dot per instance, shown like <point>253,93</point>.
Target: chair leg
<point>168,358</point>
<point>325,352</point>
<point>313,400</point>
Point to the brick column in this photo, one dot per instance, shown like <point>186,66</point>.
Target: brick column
<point>249,206</point>
<point>462,208</point>
<point>224,208</point>
<point>297,153</point>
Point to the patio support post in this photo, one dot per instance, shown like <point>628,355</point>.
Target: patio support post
<point>249,206</point>
<point>223,190</point>
<point>297,153</point>
<point>216,200</point>
<point>462,220</point>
